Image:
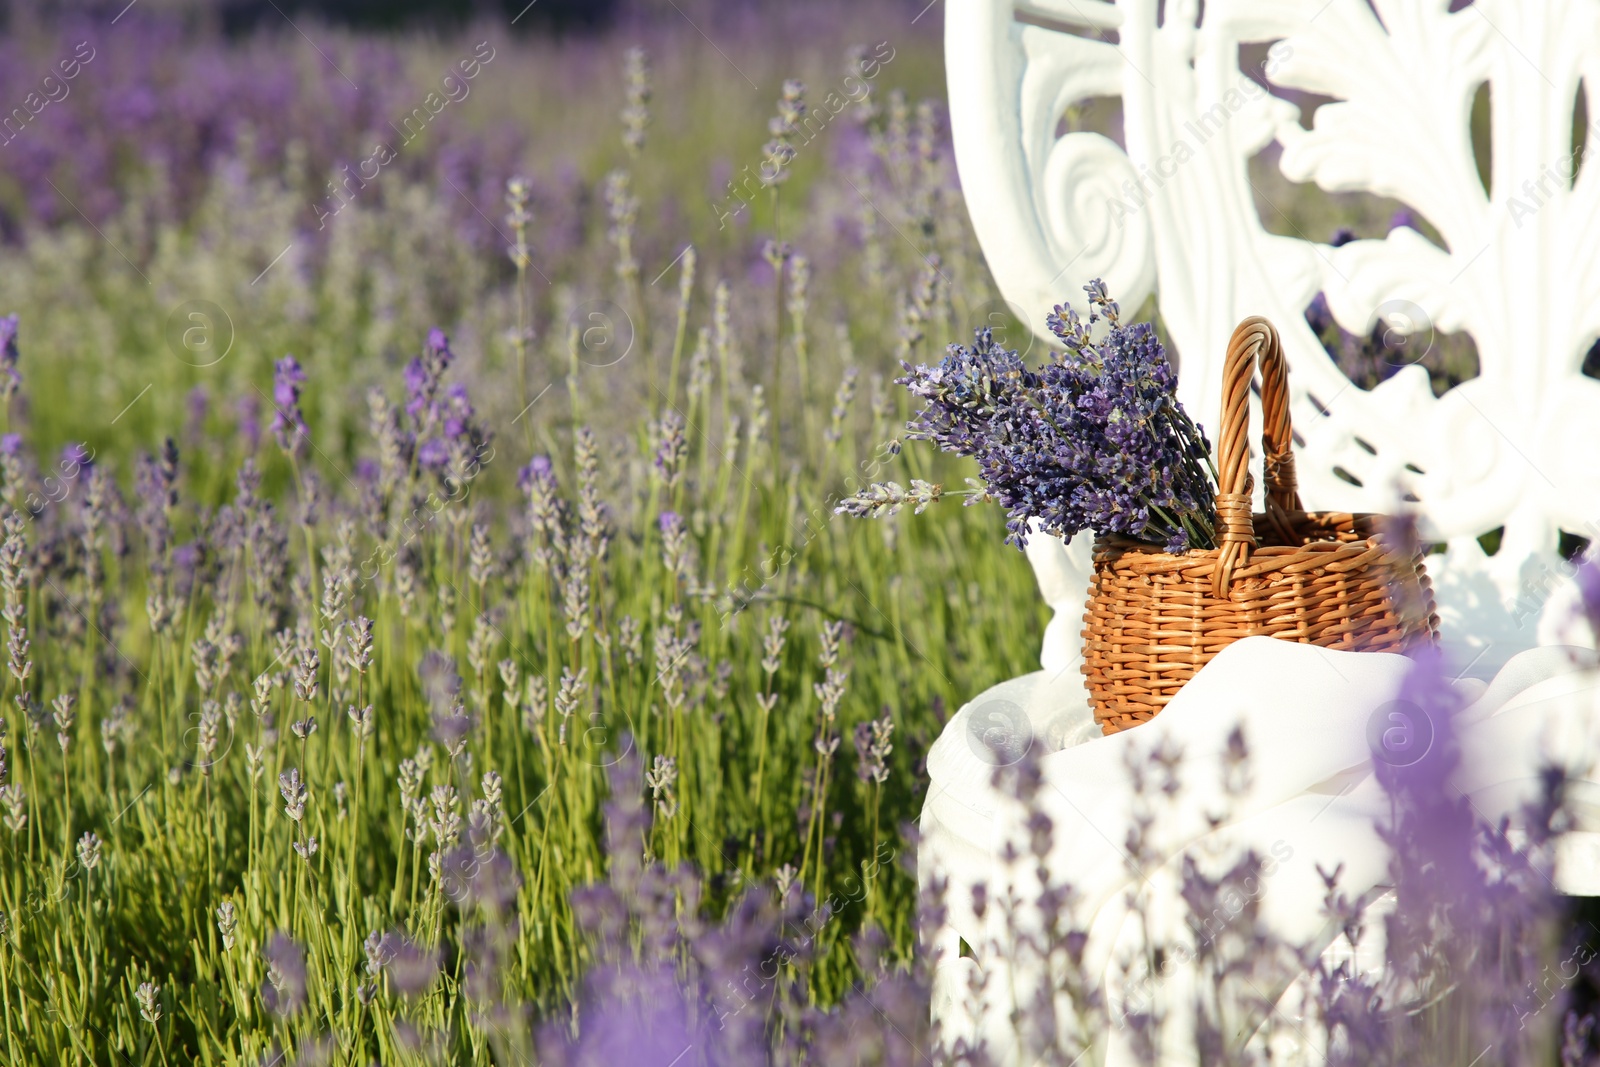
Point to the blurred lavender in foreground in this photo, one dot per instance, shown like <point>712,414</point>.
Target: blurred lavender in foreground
<point>669,983</point>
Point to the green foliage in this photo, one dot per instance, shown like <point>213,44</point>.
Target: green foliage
<point>189,656</point>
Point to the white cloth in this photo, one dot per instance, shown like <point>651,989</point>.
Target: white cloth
<point>1312,802</point>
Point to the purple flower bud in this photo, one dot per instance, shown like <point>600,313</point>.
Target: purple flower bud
<point>437,348</point>
<point>11,443</point>
<point>75,457</point>
<point>287,378</point>
<point>669,521</point>
<point>287,422</point>
<point>538,467</point>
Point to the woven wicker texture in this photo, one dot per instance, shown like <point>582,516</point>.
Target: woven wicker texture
<point>1321,578</point>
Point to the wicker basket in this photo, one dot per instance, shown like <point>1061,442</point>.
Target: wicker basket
<point>1321,578</point>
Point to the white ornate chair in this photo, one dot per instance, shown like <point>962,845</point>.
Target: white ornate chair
<point>1174,214</point>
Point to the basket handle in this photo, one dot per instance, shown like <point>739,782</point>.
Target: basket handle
<point>1254,342</point>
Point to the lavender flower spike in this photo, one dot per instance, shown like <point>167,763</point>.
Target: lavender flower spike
<point>883,499</point>
<point>10,380</point>
<point>423,375</point>
<point>287,422</point>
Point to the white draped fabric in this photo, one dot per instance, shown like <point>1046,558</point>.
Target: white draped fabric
<point>1312,801</point>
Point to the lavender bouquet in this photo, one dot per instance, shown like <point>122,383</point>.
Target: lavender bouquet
<point>1094,439</point>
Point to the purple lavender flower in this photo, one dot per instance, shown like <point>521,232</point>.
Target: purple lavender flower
<point>635,1012</point>
<point>1318,315</point>
<point>669,521</point>
<point>538,468</point>
<point>75,458</point>
<point>423,374</point>
<point>437,348</point>
<point>284,991</point>
<point>484,950</point>
<point>457,410</point>
<point>287,422</point>
<point>488,879</point>
<point>199,404</point>
<point>862,736</point>
<point>417,386</point>
<point>452,728</point>
<point>286,381</point>
<point>440,679</point>
<point>433,454</point>
<point>1095,439</point>
<point>11,443</point>
<point>411,968</point>
<point>10,380</point>
<point>249,410</point>
<point>1473,905</point>
<point>445,435</point>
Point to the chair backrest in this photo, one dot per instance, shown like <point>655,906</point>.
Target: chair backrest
<point>1175,213</point>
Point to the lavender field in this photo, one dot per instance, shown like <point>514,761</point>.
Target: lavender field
<point>430,634</point>
<point>425,606</point>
